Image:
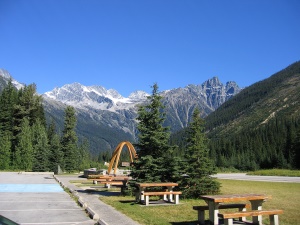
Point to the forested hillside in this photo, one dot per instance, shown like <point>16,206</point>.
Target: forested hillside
<point>259,127</point>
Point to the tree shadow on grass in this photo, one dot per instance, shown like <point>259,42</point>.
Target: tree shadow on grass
<point>185,223</point>
<point>127,201</point>
<point>132,202</point>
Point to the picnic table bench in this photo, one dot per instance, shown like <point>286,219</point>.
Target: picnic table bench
<point>111,179</point>
<point>273,215</point>
<point>214,203</point>
<point>202,208</point>
<point>108,183</point>
<point>98,176</point>
<point>142,195</point>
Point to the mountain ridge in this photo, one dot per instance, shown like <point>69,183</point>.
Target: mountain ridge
<point>105,117</point>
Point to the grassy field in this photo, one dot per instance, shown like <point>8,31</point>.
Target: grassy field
<point>276,172</point>
<point>285,196</point>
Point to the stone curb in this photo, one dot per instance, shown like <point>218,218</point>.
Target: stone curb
<point>92,214</point>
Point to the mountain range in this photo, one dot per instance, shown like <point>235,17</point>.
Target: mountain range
<point>105,118</point>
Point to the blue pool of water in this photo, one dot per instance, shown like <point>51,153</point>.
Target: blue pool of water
<point>30,188</point>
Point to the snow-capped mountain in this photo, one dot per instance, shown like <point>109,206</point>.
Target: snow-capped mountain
<point>113,110</point>
<point>94,97</point>
<point>105,118</point>
<point>5,75</point>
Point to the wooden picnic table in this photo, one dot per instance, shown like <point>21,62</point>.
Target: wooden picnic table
<point>140,196</point>
<point>214,201</point>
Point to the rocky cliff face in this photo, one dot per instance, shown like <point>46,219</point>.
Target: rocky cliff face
<point>181,102</point>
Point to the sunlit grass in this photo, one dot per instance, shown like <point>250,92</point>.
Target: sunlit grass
<point>276,172</point>
<point>284,196</point>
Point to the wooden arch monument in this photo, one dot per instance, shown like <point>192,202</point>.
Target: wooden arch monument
<point>116,155</point>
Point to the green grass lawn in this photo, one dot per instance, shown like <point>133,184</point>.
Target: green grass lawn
<point>285,196</point>
<point>276,172</point>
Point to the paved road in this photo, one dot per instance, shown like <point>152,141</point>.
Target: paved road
<point>243,176</point>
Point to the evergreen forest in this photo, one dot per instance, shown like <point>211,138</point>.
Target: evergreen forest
<point>27,143</point>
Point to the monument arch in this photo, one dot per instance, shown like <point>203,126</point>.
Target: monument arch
<point>116,155</point>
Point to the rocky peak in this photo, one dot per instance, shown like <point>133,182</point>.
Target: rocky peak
<point>212,83</point>
<point>137,95</point>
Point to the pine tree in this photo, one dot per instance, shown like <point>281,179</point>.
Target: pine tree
<point>84,155</point>
<point>69,141</point>
<point>153,148</point>
<point>40,147</point>
<point>31,105</point>
<point>5,151</point>
<point>198,166</point>
<point>56,157</point>
<point>153,136</point>
<point>296,150</point>
<point>8,99</point>
<point>23,156</point>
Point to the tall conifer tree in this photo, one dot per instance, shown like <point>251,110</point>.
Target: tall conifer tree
<point>198,166</point>
<point>41,147</point>
<point>153,147</point>
<point>24,150</point>
<point>8,99</point>
<point>69,141</point>
<point>5,151</point>
<point>56,158</point>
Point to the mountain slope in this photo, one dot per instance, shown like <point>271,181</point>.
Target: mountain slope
<point>259,127</point>
<point>279,96</point>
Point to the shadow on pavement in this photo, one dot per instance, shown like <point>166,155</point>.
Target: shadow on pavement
<point>95,192</point>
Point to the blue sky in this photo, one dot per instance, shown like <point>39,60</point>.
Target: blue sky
<point>129,45</point>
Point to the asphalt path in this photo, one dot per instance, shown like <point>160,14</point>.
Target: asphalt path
<point>244,176</point>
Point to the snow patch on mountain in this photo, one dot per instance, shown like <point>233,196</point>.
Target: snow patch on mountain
<point>97,97</point>
<point>6,75</point>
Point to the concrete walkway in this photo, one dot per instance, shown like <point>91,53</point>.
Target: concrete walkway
<point>37,199</point>
<point>102,213</point>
